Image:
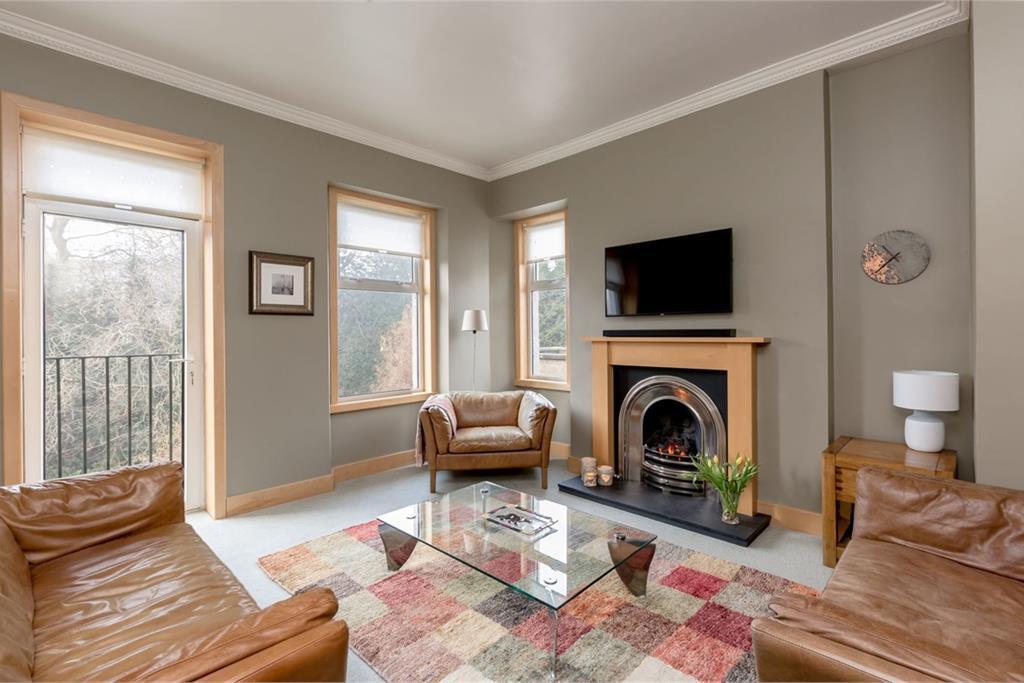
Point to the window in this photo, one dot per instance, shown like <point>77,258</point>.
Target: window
<point>381,277</point>
<point>542,304</point>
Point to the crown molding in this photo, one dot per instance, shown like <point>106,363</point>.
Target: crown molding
<point>77,45</point>
<point>927,20</point>
<point>905,28</point>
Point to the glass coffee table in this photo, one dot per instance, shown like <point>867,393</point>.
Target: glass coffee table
<point>549,567</point>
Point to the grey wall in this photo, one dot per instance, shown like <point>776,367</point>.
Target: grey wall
<point>276,178</point>
<point>757,164</point>
<point>900,130</point>
<point>999,239</point>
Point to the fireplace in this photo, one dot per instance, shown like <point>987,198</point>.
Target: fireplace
<point>655,402</point>
<point>663,421</point>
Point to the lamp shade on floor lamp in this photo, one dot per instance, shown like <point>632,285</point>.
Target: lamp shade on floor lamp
<point>474,320</point>
<point>925,392</point>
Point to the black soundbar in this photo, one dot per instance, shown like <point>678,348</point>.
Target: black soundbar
<point>708,332</point>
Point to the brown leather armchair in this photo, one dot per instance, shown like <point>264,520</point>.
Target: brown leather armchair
<point>931,587</point>
<point>102,579</point>
<point>473,430</point>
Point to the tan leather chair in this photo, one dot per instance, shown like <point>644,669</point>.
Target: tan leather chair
<point>931,587</point>
<point>101,579</point>
<point>474,430</point>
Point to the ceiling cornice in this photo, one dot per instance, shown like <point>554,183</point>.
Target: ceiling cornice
<point>77,45</point>
<point>880,37</point>
<point>933,18</point>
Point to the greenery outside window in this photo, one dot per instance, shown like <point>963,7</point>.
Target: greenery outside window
<point>382,307</point>
<point>542,304</point>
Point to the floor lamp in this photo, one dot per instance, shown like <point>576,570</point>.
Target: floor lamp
<point>474,320</point>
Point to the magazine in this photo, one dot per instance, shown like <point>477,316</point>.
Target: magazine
<point>519,519</point>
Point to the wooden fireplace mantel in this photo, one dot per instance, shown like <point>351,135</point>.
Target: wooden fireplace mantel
<point>737,356</point>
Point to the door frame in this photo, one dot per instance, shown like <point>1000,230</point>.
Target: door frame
<point>15,110</point>
<point>33,339</point>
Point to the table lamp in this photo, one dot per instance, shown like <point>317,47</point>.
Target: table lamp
<point>925,392</point>
<point>474,320</point>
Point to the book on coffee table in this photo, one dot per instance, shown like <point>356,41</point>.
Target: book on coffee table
<point>519,519</point>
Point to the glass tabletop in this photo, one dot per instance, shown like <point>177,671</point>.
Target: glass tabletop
<point>553,566</point>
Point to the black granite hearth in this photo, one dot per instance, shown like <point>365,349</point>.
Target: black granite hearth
<point>700,514</point>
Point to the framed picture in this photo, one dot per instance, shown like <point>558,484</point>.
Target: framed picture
<point>280,284</point>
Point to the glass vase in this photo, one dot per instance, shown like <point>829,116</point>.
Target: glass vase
<point>729,504</point>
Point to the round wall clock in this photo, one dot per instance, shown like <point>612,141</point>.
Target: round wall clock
<point>895,257</point>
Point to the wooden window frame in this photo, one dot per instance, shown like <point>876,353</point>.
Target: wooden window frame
<point>427,302</point>
<point>523,378</point>
<point>16,110</point>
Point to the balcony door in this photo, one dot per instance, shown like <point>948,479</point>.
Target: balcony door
<point>112,333</point>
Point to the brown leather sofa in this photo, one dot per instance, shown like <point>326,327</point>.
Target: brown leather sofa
<point>473,430</point>
<point>931,587</point>
<point>102,579</point>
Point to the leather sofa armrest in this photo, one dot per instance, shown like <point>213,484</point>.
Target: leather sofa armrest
<point>974,525</point>
<point>536,418</point>
<point>836,626</point>
<point>53,518</point>
<point>320,654</point>
<point>787,653</point>
<point>440,423</point>
<point>242,639</point>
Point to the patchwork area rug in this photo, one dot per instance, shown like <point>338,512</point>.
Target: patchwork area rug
<point>438,620</point>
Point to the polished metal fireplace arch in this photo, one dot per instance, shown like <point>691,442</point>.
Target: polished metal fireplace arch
<point>646,393</point>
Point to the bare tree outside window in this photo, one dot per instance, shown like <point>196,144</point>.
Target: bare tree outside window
<point>113,316</point>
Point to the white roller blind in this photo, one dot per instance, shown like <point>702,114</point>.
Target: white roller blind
<point>360,227</point>
<point>76,168</point>
<point>545,241</point>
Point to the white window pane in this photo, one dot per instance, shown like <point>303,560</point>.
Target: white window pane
<point>378,342</point>
<point>551,269</point>
<point>111,288</point>
<point>357,264</point>
<point>548,334</point>
<point>66,166</point>
<point>545,241</point>
<point>366,228</point>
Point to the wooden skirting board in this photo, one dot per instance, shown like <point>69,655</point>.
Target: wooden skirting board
<point>794,519</point>
<point>382,463</point>
<point>560,451</point>
<point>275,495</point>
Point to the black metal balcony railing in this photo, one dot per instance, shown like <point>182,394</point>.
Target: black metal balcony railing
<point>101,412</point>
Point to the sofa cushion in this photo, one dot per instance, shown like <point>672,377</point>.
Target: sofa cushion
<point>57,517</point>
<point>102,611</point>
<point>979,526</point>
<point>486,408</point>
<point>485,439</point>
<point>933,607</point>
<point>16,610</point>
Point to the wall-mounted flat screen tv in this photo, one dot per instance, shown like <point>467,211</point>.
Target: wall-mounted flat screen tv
<point>676,275</point>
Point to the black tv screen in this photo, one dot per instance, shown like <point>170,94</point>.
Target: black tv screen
<point>676,275</point>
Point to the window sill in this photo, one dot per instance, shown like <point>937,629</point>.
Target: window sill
<point>549,384</point>
<point>379,402</point>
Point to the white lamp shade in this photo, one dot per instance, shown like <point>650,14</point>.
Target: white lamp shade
<point>926,390</point>
<point>474,320</point>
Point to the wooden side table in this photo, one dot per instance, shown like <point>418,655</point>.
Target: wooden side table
<point>839,465</point>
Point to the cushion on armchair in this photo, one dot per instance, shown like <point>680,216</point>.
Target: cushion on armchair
<point>489,440</point>
<point>485,408</point>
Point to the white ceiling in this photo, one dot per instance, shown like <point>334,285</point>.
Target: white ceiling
<point>486,89</point>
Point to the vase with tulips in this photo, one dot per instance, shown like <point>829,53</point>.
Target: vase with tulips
<point>729,479</point>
